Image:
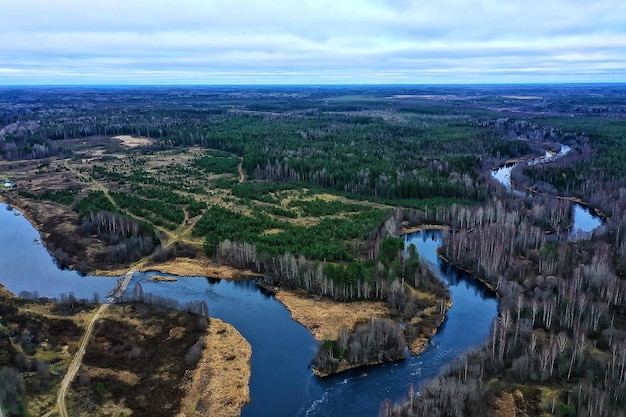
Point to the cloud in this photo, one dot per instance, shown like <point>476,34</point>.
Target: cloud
<point>312,41</point>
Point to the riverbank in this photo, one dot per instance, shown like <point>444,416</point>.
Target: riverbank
<point>226,357</point>
<point>469,272</point>
<point>413,229</point>
<point>184,267</point>
<point>219,386</point>
<point>135,362</point>
<point>323,317</point>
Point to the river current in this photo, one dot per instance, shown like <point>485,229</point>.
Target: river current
<point>281,383</point>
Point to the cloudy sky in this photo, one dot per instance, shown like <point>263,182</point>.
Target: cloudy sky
<point>311,41</point>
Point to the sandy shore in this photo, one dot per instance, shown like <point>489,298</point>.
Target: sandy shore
<point>185,267</point>
<point>219,386</point>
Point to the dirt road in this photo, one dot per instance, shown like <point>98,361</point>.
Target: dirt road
<point>76,362</point>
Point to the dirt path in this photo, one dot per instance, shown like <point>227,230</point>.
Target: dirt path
<point>101,187</point>
<point>242,175</point>
<point>181,234</point>
<point>76,363</point>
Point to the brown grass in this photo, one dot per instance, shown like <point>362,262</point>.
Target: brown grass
<point>219,386</point>
<point>200,267</point>
<point>56,332</point>
<point>132,141</point>
<point>406,229</point>
<point>505,405</point>
<point>324,317</point>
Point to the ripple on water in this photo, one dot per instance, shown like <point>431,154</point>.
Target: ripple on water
<point>282,384</point>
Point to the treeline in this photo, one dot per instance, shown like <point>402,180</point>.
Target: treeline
<point>217,164</point>
<point>318,207</point>
<point>159,213</point>
<point>265,191</point>
<point>127,239</point>
<point>393,158</point>
<point>137,295</point>
<point>561,320</point>
<point>390,161</point>
<point>65,196</point>
<point>29,146</point>
<point>377,341</point>
<point>332,239</point>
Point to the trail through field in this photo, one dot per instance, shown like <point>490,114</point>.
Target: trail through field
<point>75,365</point>
<point>242,174</point>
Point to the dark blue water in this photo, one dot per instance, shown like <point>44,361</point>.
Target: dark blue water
<point>282,383</point>
<point>281,348</point>
<point>467,324</point>
<point>26,265</point>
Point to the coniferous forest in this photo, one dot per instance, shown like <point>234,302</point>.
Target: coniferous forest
<point>312,187</point>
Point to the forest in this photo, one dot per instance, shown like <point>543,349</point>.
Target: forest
<point>312,187</point>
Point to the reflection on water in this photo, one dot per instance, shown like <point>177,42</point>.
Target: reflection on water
<point>585,221</point>
<point>26,265</point>
<point>503,175</point>
<point>360,392</point>
<point>282,384</point>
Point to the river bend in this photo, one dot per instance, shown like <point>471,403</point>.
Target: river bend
<point>281,383</point>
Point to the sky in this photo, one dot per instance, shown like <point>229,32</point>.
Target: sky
<point>311,42</point>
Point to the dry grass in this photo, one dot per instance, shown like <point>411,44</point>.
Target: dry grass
<point>201,267</point>
<point>132,141</point>
<point>126,377</point>
<point>219,386</point>
<point>505,405</point>
<point>57,332</point>
<point>406,229</point>
<point>160,278</point>
<point>324,318</point>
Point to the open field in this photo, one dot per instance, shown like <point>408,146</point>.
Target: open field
<point>324,318</point>
<point>309,189</point>
<point>124,367</point>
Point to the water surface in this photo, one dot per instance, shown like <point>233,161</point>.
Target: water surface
<point>585,220</point>
<point>282,384</point>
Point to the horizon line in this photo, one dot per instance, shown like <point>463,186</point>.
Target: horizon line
<point>493,84</point>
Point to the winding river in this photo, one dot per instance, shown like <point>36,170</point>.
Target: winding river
<point>585,221</point>
<point>282,383</point>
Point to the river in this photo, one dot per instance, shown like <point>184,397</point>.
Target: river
<point>282,383</point>
<point>585,220</point>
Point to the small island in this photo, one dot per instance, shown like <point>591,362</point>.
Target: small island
<point>308,193</point>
